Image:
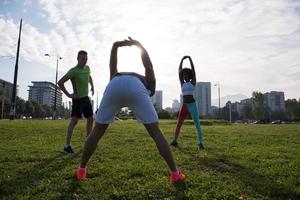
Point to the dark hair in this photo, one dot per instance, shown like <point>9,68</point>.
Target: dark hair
<point>187,71</point>
<point>81,52</point>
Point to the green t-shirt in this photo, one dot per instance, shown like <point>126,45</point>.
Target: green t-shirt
<point>80,80</point>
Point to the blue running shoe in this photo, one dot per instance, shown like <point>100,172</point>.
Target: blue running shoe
<point>200,146</point>
<point>68,149</point>
<point>174,143</point>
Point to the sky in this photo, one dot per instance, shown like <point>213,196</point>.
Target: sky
<point>244,45</point>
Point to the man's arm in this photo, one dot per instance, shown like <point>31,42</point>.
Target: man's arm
<point>61,85</point>
<point>92,85</point>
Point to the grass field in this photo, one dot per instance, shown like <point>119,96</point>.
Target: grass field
<point>240,162</point>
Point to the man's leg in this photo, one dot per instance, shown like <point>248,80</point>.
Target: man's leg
<point>72,124</point>
<point>162,144</point>
<point>91,143</point>
<point>89,125</point>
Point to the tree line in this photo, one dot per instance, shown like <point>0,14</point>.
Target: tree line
<point>258,110</point>
<point>31,109</point>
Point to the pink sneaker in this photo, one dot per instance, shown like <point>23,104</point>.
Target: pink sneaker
<point>81,173</point>
<point>174,177</point>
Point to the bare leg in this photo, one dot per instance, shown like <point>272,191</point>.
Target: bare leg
<point>72,124</point>
<point>162,144</point>
<point>89,125</point>
<point>91,142</point>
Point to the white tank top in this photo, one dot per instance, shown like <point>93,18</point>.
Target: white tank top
<point>187,88</point>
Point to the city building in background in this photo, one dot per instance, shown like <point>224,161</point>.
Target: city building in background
<point>43,92</point>
<point>202,95</point>
<point>157,99</point>
<point>6,89</point>
<point>275,101</point>
<point>175,105</point>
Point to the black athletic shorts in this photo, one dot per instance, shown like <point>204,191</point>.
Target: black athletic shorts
<point>82,106</point>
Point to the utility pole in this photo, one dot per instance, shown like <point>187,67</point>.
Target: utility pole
<point>229,111</point>
<point>218,84</point>
<point>12,112</point>
<point>55,90</point>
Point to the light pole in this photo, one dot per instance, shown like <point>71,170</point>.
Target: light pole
<point>229,111</point>
<point>55,93</point>
<point>218,84</point>
<point>14,92</point>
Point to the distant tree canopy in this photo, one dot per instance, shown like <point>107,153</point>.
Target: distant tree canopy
<point>33,109</point>
<point>293,108</point>
<point>260,110</point>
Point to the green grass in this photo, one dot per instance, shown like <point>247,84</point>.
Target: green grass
<point>240,162</point>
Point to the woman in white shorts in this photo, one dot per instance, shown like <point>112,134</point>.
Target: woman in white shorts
<point>128,89</point>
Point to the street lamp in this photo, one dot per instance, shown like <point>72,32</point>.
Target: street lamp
<point>229,111</point>
<point>55,93</point>
<point>218,84</point>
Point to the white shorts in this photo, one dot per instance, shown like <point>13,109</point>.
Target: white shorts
<point>126,91</point>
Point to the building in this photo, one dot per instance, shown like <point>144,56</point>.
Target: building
<point>43,92</point>
<point>236,107</point>
<point>168,109</point>
<point>275,101</point>
<point>157,99</point>
<point>214,110</point>
<point>6,89</point>
<point>202,95</point>
<point>240,107</point>
<point>175,105</point>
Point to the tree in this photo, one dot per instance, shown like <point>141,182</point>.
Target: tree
<point>225,112</point>
<point>6,107</point>
<point>20,106</point>
<point>259,107</point>
<point>297,113</point>
<point>29,108</point>
<point>279,115</point>
<point>293,109</point>
<point>163,114</point>
<point>247,112</point>
<point>48,110</point>
<point>39,112</point>
<point>63,112</point>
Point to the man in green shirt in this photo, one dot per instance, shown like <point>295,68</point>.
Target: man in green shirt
<point>80,78</point>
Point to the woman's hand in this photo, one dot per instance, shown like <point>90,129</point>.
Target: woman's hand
<point>185,57</point>
<point>122,43</point>
<point>135,42</point>
<point>128,42</point>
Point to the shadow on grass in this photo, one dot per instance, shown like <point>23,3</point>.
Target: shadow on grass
<point>180,188</point>
<point>27,181</point>
<point>259,184</point>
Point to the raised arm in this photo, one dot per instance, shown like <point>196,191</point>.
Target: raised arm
<point>193,70</point>
<point>149,72</point>
<point>114,56</point>
<point>113,61</point>
<point>179,70</point>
